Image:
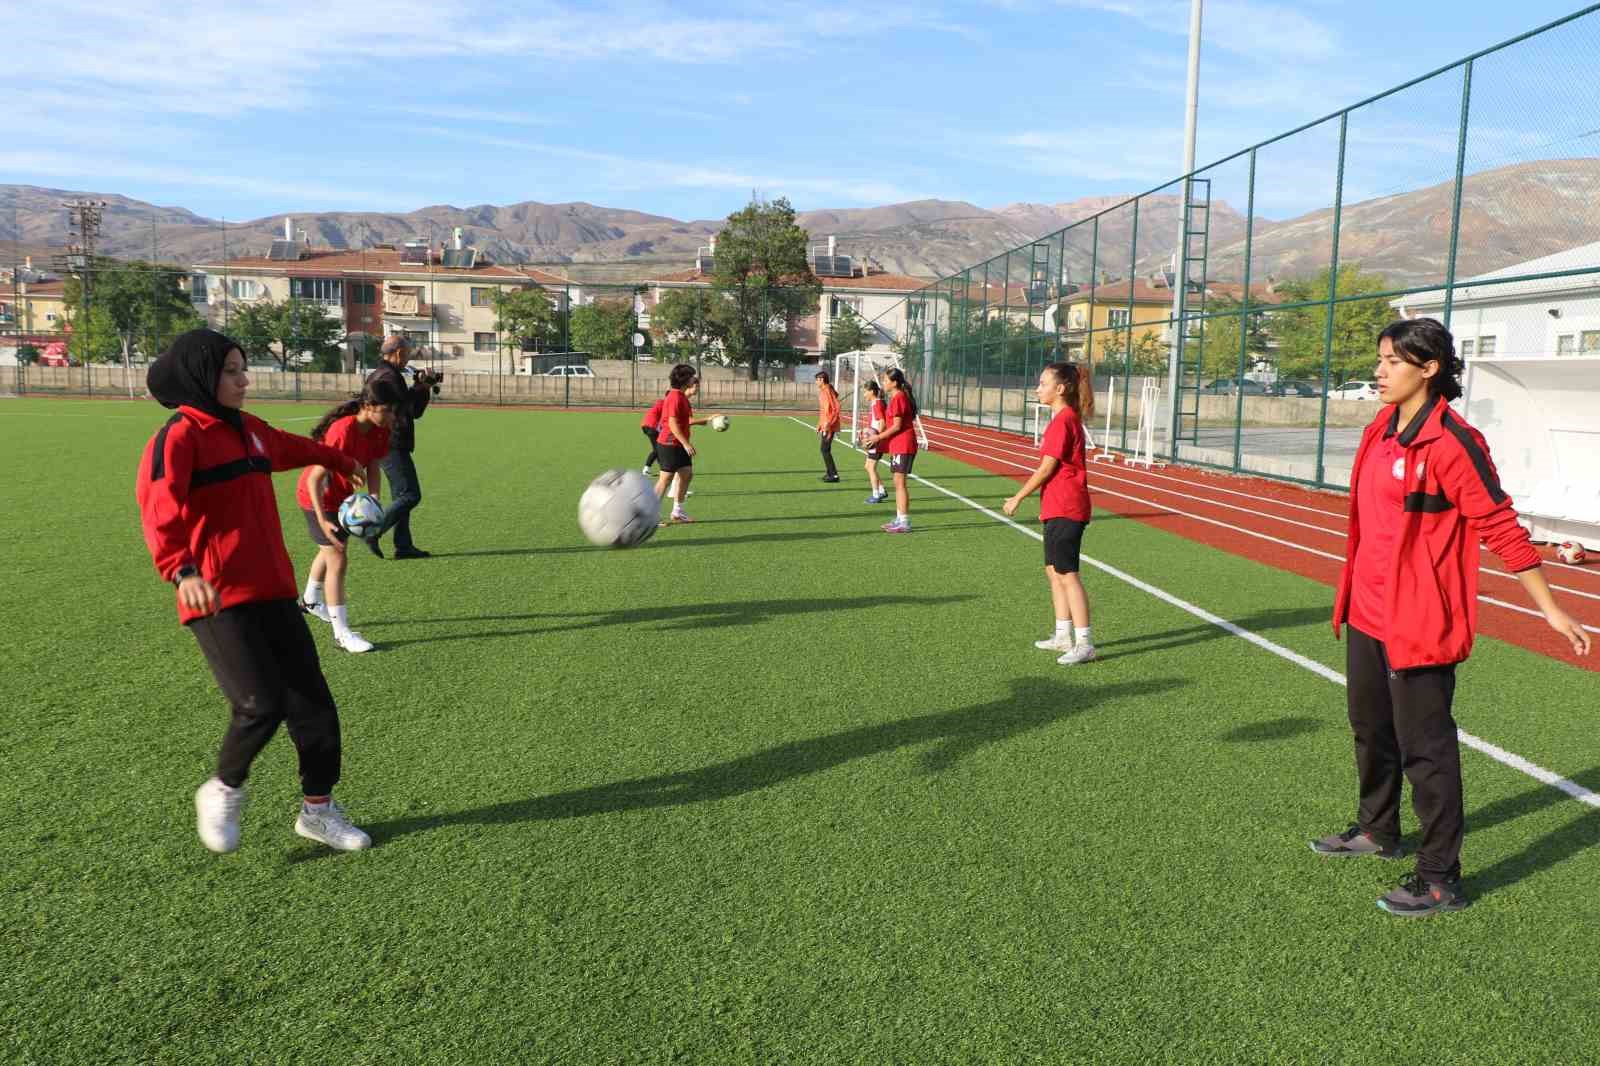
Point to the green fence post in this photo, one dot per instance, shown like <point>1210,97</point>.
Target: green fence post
<point>1244,320</point>
<point>1455,206</point>
<point>1333,293</point>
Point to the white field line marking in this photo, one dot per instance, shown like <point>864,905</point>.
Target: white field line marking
<point>1142,475</point>
<point>1495,752</point>
<point>1169,509</point>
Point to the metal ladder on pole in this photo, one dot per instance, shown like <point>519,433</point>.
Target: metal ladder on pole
<point>1196,248</point>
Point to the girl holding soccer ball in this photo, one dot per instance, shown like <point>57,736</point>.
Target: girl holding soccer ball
<point>674,451</point>
<point>211,523</point>
<point>877,418</point>
<point>1423,495</point>
<point>360,429</point>
<point>1062,483</point>
<point>898,438</point>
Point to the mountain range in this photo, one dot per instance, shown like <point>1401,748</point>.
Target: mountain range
<point>1508,214</point>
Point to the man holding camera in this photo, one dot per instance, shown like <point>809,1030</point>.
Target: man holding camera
<point>398,469</point>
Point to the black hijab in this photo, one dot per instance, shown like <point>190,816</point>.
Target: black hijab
<point>187,373</point>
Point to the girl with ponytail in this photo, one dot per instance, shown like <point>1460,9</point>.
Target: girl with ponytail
<point>1062,481</point>
<point>878,417</point>
<point>358,427</point>
<point>899,439</point>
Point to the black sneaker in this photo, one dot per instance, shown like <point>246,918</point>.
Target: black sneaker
<point>374,547</point>
<point>1417,898</point>
<point>412,553</point>
<point>1354,842</point>
<point>830,480</point>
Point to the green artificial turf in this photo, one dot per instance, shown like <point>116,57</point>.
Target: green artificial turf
<point>772,788</point>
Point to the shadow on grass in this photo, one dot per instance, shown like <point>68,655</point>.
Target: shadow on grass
<point>1578,835</point>
<point>1274,729</point>
<point>1033,704</point>
<point>683,616</point>
<point>668,540</point>
<point>1259,622</point>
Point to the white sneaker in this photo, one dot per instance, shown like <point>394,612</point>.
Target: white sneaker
<point>350,640</point>
<point>316,610</point>
<point>331,826</point>
<point>1078,653</point>
<point>216,813</point>
<point>1057,643</point>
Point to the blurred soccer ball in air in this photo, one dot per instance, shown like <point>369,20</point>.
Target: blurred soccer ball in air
<point>619,509</point>
<point>720,423</point>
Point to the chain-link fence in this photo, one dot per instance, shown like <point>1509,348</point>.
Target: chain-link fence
<point>1253,290</point>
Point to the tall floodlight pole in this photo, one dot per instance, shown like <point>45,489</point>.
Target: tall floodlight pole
<point>1180,272</point>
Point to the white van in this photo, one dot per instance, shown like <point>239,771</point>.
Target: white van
<point>569,372</point>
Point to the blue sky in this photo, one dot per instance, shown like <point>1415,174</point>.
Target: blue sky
<point>246,109</point>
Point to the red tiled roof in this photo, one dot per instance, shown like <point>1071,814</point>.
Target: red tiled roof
<point>37,288</point>
<point>385,261</point>
<point>890,282</point>
<point>1144,292</point>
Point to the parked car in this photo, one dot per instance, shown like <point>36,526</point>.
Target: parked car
<point>1355,390</point>
<point>1293,388</point>
<point>1226,387</point>
<point>569,372</point>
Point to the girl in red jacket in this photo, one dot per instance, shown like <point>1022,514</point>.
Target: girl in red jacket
<point>360,429</point>
<point>1423,494</point>
<point>1067,390</point>
<point>211,524</point>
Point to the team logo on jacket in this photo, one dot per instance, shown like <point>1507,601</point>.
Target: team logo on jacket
<point>1399,469</point>
<point>257,442</point>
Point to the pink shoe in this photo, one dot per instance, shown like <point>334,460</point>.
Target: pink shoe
<point>895,527</point>
<point>682,519</point>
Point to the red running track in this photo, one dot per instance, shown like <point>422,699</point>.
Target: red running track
<point>1296,529</point>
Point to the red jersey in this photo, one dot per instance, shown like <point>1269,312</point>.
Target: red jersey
<point>879,416</point>
<point>205,498</point>
<point>364,444</point>
<point>904,440</point>
<point>652,417</point>
<point>1066,493</point>
<point>827,410</point>
<point>1451,501</point>
<point>675,405</point>
<point>1382,489</point>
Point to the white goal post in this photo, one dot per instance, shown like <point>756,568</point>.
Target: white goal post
<point>851,371</point>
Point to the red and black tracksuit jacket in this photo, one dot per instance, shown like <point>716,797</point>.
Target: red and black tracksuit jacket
<point>206,500</point>
<point>1453,499</point>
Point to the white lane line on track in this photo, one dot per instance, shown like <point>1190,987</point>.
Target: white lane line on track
<point>1493,751</point>
<point>1338,558</point>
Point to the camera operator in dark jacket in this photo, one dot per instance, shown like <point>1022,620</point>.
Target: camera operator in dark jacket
<point>405,492</point>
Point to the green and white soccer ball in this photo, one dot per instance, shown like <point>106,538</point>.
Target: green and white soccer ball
<point>619,509</point>
<point>361,515</point>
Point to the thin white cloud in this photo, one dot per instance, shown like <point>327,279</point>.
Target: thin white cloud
<point>1244,27</point>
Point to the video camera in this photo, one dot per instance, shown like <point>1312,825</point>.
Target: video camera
<point>430,378</point>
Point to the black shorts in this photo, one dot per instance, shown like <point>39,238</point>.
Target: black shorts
<point>901,462</point>
<point>672,457</point>
<point>874,454</point>
<point>1063,539</point>
<point>316,528</point>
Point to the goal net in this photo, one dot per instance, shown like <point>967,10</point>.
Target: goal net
<point>851,371</point>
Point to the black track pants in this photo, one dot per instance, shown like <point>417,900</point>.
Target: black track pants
<point>266,665</point>
<point>827,454</point>
<point>1403,725</point>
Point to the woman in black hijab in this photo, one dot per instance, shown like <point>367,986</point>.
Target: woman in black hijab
<point>211,523</point>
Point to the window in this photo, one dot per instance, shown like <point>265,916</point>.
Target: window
<point>244,289</point>
<point>51,317</point>
<point>913,312</point>
<point>483,342</point>
<point>1119,317</point>
<point>1486,345</point>
<point>1566,344</point>
<point>838,305</point>
<point>1589,342</point>
<point>1466,349</point>
<point>482,297</point>
<point>364,293</point>
<point>416,338</point>
<point>197,288</point>
<point>326,291</point>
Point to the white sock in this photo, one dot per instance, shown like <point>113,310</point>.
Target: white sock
<point>904,520</point>
<point>1063,628</point>
<point>340,613</point>
<point>1083,635</point>
<point>314,808</point>
<point>313,591</point>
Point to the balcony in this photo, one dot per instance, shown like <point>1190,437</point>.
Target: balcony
<point>405,305</point>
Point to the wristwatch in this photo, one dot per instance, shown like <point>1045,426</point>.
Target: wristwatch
<point>185,571</point>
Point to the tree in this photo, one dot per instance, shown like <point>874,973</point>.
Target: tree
<point>1301,332</point>
<point>691,321</point>
<point>1147,355</point>
<point>297,328</point>
<point>255,327</point>
<point>1219,350</point>
<point>136,303</point>
<point>604,329</point>
<point>848,333</point>
<point>761,268</point>
<point>27,355</point>
<point>526,316</point>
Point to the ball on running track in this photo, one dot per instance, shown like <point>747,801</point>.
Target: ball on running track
<point>361,515</point>
<point>719,423</point>
<point>1572,553</point>
<point>619,509</point>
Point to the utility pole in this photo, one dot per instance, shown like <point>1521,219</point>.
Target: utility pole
<point>83,230</point>
<point>1180,273</point>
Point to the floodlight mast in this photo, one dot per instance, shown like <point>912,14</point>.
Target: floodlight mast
<point>1180,272</point>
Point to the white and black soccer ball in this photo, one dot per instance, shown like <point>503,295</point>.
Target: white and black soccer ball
<point>719,423</point>
<point>361,515</point>
<point>619,509</point>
